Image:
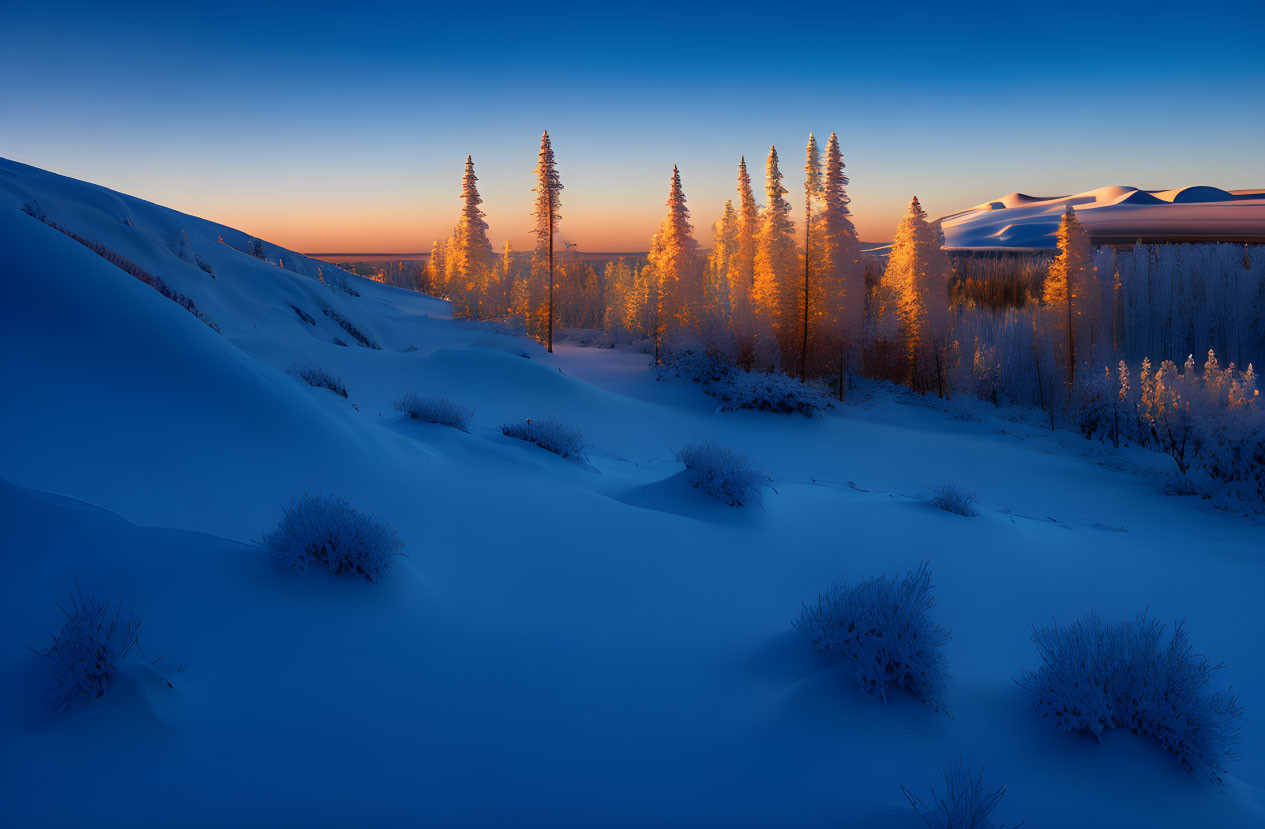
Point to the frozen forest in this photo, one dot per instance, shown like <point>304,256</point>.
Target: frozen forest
<point>632,415</point>
<point>1152,345</point>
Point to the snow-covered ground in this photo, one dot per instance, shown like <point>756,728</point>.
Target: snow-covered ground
<point>1112,214</point>
<point>566,644</point>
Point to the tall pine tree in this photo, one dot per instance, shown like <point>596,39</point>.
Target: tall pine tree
<point>917,275</point>
<point>1071,293</point>
<point>678,269</point>
<point>775,265</point>
<point>839,301</point>
<point>716,301</point>
<point>742,266</point>
<point>812,195</point>
<point>548,216</point>
<point>470,259</point>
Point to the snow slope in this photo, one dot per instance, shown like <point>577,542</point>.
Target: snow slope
<point>565,645</point>
<point>1112,214</point>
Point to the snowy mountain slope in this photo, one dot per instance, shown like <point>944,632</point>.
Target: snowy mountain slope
<point>564,645</point>
<point>1112,214</point>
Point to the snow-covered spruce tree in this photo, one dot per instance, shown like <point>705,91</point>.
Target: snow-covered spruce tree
<point>802,297</point>
<point>1071,293</point>
<point>678,269</point>
<point>470,259</point>
<point>775,266</point>
<point>917,276</point>
<point>437,270</point>
<point>741,267</point>
<point>839,301</point>
<point>548,216</point>
<point>622,320</point>
<point>715,318</point>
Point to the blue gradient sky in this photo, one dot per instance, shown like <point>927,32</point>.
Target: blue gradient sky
<point>344,127</point>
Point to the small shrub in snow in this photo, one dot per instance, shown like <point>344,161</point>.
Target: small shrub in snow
<point>768,392</point>
<point>738,389</point>
<point>327,530</point>
<point>719,472</point>
<point>550,434</point>
<point>1097,676</point>
<point>884,628</point>
<point>87,651</point>
<point>695,366</point>
<point>954,498</point>
<point>434,410</point>
<point>320,378</point>
<point>964,803</point>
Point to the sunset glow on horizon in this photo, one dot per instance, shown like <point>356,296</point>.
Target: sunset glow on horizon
<point>333,132</point>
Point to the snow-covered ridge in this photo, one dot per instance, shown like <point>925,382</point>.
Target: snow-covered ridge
<point>1113,214</point>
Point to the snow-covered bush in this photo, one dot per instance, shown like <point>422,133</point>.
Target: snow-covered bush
<point>769,392</point>
<point>739,389</point>
<point>318,377</point>
<point>716,470</point>
<point>87,651</point>
<point>694,365</point>
<point>964,803</point>
<point>439,410</point>
<point>954,498</point>
<point>327,530</point>
<point>1097,676</point>
<point>550,434</point>
<point>884,628</point>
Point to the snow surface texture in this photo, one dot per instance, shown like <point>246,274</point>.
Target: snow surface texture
<point>1117,214</point>
<point>561,647</point>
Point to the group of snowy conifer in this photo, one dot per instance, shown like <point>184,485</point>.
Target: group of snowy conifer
<point>772,302</point>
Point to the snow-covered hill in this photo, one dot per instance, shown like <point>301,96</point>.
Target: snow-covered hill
<point>566,644</point>
<point>1113,215</point>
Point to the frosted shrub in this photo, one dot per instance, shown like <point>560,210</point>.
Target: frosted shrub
<point>738,389</point>
<point>964,803</point>
<point>87,651</point>
<point>319,378</point>
<point>954,498</point>
<point>695,366</point>
<point>439,410</point>
<point>771,392</point>
<point>327,530</point>
<point>719,472</point>
<point>883,627</point>
<point>550,434</point>
<point>1097,676</point>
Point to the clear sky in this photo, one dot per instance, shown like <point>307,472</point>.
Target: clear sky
<point>344,127</point>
